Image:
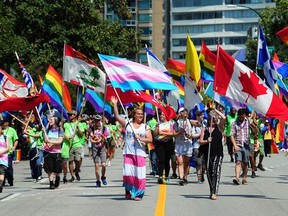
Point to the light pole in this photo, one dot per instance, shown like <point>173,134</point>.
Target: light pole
<point>255,11</point>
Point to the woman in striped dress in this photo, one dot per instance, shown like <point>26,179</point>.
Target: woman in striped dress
<point>137,135</point>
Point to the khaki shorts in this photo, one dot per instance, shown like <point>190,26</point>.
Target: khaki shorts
<point>75,154</point>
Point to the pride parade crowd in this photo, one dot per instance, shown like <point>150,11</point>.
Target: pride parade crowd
<point>191,139</point>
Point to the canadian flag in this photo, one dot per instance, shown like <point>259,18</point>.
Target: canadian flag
<point>236,81</point>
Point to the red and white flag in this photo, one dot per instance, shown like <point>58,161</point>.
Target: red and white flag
<point>140,96</point>
<point>79,70</point>
<point>10,87</point>
<point>234,80</point>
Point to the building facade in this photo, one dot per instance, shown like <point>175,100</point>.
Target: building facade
<point>165,23</point>
<point>223,21</point>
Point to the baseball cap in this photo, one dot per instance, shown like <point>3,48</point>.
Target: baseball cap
<point>181,109</point>
<point>98,117</point>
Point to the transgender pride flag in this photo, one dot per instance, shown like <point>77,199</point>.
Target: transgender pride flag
<point>128,75</point>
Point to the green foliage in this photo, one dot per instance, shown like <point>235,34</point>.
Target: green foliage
<point>37,30</point>
<point>275,20</point>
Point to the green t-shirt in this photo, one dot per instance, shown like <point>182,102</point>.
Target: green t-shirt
<point>69,130</point>
<point>40,139</point>
<point>230,120</point>
<point>32,140</point>
<point>85,127</point>
<point>12,136</point>
<point>152,123</point>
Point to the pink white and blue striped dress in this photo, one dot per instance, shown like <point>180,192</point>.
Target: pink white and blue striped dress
<point>134,170</point>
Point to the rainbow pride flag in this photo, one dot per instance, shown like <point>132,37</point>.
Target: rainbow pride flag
<point>181,93</point>
<point>207,60</point>
<point>283,35</point>
<point>52,86</point>
<point>176,69</point>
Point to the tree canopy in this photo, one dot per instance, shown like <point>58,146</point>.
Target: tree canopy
<point>37,30</point>
<point>274,19</point>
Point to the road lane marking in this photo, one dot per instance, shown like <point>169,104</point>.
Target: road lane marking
<point>10,197</point>
<point>160,207</point>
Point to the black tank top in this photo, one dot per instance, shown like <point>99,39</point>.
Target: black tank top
<point>216,148</point>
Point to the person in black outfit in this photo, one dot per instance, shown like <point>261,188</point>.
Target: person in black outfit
<point>163,140</point>
<point>213,152</point>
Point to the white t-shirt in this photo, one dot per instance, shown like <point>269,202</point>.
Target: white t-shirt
<point>188,129</point>
<point>132,145</point>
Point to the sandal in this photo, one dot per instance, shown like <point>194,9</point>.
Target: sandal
<point>244,182</point>
<point>236,181</point>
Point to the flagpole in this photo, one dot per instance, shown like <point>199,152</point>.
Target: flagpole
<point>77,97</point>
<point>210,135</point>
<point>62,110</point>
<point>45,133</point>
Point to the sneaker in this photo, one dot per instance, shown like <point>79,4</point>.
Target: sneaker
<point>65,180</point>
<point>185,181</point>
<point>57,182</point>
<point>200,181</point>
<point>174,176</point>
<point>77,176</point>
<point>104,181</point>
<point>98,184</point>
<point>244,182</point>
<point>109,163</point>
<point>166,180</point>
<point>39,178</point>
<point>72,179</point>
<point>160,180</point>
<point>181,182</point>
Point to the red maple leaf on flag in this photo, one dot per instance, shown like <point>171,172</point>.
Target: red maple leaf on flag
<point>251,85</point>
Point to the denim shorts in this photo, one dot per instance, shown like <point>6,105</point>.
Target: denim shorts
<point>243,154</point>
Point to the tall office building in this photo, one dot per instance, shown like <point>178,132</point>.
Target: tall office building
<point>147,16</point>
<point>226,21</point>
<point>165,24</point>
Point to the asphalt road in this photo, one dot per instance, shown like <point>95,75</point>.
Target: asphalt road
<point>267,194</point>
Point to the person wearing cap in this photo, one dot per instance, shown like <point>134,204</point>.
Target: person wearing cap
<point>98,136</point>
<point>12,139</point>
<point>73,132</point>
<point>183,144</point>
<point>137,135</point>
<point>4,148</point>
<point>53,138</point>
<point>267,136</point>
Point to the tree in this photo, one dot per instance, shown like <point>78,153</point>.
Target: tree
<point>37,30</point>
<point>275,19</point>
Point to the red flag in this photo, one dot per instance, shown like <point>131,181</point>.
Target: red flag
<point>139,96</point>
<point>275,57</point>
<point>283,35</point>
<point>22,103</point>
<point>234,80</point>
